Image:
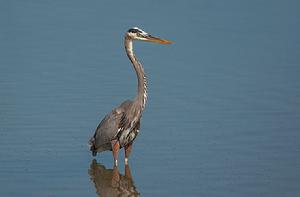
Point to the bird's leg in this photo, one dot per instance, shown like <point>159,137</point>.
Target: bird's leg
<point>127,172</point>
<point>127,149</point>
<point>115,149</point>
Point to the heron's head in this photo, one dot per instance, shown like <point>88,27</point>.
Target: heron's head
<point>136,33</point>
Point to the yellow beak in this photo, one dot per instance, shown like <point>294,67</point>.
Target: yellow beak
<point>158,40</point>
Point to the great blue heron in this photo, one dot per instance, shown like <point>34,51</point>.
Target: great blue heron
<point>120,127</point>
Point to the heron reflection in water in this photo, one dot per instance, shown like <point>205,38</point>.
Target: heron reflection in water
<point>120,127</point>
<point>109,182</point>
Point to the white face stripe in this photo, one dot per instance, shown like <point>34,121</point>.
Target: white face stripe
<point>137,35</point>
<point>143,32</point>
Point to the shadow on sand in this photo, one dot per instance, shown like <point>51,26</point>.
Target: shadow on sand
<point>109,182</point>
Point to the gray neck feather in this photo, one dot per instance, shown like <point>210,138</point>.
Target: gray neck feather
<point>141,97</point>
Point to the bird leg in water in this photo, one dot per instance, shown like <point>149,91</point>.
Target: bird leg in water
<point>127,172</point>
<point>127,149</point>
<point>115,149</point>
<point>115,176</point>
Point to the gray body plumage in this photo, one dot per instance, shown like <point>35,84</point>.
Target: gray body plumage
<point>121,123</point>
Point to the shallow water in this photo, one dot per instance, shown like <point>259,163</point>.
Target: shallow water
<point>222,117</point>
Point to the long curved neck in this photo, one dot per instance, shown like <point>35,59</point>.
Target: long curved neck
<point>141,97</point>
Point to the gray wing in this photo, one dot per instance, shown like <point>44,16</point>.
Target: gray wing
<point>107,130</point>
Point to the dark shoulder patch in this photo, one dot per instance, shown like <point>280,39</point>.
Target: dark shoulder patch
<point>123,121</point>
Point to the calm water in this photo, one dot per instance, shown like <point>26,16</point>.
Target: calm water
<point>222,117</point>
